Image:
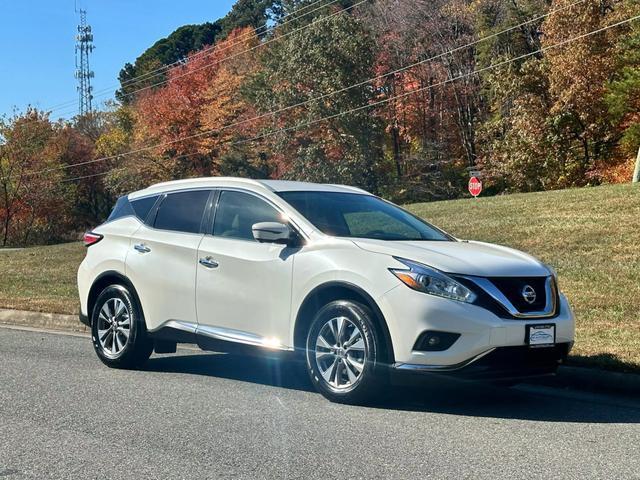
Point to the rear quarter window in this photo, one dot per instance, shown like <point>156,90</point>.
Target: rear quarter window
<point>128,208</point>
<point>121,209</point>
<point>143,206</point>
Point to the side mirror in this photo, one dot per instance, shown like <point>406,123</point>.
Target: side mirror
<point>271,232</point>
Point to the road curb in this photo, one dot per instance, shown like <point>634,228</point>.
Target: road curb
<point>53,321</point>
<point>580,378</point>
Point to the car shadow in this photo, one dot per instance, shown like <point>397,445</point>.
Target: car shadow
<point>607,361</point>
<point>434,394</point>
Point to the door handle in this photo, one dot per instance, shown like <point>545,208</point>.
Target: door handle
<point>142,248</point>
<point>208,262</point>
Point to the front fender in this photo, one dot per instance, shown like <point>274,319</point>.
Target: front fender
<point>339,262</point>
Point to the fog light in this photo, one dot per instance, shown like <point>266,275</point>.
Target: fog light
<point>432,341</point>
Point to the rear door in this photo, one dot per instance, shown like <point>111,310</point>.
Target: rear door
<point>163,256</point>
<point>243,286</point>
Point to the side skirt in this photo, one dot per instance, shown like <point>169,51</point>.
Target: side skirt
<point>218,339</point>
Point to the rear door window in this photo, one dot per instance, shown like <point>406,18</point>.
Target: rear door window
<point>182,211</point>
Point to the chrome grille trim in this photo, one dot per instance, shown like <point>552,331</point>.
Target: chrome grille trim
<point>550,307</point>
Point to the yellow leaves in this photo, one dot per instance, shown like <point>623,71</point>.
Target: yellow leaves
<point>579,69</point>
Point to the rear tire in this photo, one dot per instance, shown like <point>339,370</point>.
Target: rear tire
<point>118,331</point>
<point>343,353</point>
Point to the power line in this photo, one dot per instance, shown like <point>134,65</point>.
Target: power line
<point>260,45</point>
<point>380,102</point>
<point>238,42</point>
<point>296,14</point>
<point>380,77</point>
<point>326,95</point>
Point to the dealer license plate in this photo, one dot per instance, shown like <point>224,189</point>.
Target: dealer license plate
<point>541,335</point>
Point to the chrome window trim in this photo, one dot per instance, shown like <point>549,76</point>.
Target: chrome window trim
<point>550,307</point>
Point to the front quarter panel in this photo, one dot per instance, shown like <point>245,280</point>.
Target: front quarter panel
<point>337,260</point>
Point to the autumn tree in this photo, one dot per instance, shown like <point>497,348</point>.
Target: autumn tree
<point>228,118</point>
<point>33,207</point>
<point>148,70</point>
<point>623,97</point>
<point>335,138</point>
<point>170,116</point>
<point>578,111</point>
<point>432,112</point>
<point>553,129</point>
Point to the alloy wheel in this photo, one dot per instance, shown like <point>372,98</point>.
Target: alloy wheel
<point>114,326</point>
<point>340,353</point>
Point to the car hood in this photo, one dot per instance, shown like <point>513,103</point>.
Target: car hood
<point>461,257</point>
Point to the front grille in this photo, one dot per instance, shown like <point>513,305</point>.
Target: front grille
<point>513,287</point>
<point>495,293</point>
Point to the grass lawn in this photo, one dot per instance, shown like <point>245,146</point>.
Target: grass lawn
<point>41,279</point>
<point>590,235</point>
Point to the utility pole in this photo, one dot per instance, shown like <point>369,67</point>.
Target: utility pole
<point>84,46</point>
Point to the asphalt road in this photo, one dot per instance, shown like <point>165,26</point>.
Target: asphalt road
<point>195,415</point>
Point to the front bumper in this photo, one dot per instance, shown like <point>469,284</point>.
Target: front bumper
<point>483,334</point>
<point>501,363</point>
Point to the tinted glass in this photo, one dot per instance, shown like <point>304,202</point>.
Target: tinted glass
<point>182,211</point>
<point>237,212</point>
<point>121,209</point>
<point>142,207</point>
<point>363,216</point>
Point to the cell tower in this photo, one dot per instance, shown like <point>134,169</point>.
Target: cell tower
<point>84,46</point>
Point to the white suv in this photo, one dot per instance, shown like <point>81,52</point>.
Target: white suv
<point>357,285</point>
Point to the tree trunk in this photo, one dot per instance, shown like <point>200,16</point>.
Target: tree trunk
<point>636,172</point>
<point>5,236</point>
<point>395,136</point>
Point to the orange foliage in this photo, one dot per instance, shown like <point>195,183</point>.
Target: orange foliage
<point>620,173</point>
<point>226,113</point>
<point>200,95</point>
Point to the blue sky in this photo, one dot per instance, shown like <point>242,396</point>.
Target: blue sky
<point>37,43</point>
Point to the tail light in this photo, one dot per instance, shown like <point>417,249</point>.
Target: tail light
<point>91,238</point>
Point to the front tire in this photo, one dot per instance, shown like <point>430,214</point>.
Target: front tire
<point>344,352</point>
<point>118,331</point>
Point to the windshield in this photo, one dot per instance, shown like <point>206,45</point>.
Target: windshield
<point>361,216</point>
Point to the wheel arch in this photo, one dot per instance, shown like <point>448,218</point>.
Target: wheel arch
<point>105,279</point>
<point>338,290</point>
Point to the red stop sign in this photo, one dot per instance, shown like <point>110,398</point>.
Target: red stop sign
<point>475,186</point>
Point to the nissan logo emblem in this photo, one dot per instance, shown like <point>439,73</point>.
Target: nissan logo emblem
<point>529,294</point>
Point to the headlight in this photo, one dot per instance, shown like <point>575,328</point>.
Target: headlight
<point>429,280</point>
